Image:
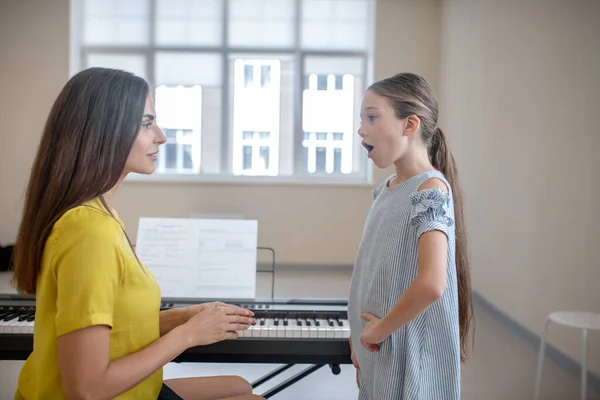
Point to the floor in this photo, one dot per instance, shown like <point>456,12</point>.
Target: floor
<point>502,367</point>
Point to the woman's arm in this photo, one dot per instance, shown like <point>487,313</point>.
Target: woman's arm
<point>88,373</point>
<point>170,319</point>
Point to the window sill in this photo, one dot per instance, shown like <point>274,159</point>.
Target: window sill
<point>334,181</point>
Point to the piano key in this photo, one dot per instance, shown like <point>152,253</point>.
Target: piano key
<point>313,332</point>
<point>271,328</point>
<point>289,322</point>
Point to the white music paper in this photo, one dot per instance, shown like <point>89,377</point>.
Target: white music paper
<point>200,258</point>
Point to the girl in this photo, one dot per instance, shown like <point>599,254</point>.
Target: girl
<point>98,332</point>
<point>410,296</point>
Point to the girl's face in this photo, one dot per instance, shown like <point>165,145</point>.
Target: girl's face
<point>382,132</point>
<point>142,157</point>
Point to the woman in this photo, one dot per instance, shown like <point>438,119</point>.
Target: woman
<point>98,331</point>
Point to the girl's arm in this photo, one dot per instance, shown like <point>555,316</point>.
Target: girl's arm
<point>427,287</point>
<point>88,373</point>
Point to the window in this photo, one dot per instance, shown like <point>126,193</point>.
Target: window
<point>260,88</point>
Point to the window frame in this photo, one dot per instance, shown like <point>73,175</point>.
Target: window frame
<point>80,53</point>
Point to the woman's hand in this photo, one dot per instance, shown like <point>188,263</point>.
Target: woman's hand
<point>214,324</point>
<point>195,309</point>
<point>372,335</point>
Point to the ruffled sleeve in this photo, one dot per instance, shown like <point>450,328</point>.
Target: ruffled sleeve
<point>431,211</point>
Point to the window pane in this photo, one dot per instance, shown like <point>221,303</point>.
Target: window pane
<point>179,115</point>
<point>170,134</point>
<point>261,23</point>
<point>337,160</point>
<point>262,105</point>
<point>265,75</point>
<point>188,69</point>
<point>339,82</point>
<point>332,112</point>
<point>248,75</point>
<point>189,22</point>
<point>336,24</point>
<point>321,159</point>
<point>188,162</point>
<point>128,62</point>
<point>306,163</point>
<point>247,157</point>
<point>171,155</point>
<point>264,156</point>
<point>321,82</point>
<point>116,23</point>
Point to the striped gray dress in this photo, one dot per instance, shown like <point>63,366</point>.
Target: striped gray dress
<point>421,360</point>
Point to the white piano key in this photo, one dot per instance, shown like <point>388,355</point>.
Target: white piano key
<point>264,329</point>
<point>252,331</point>
<point>281,329</point>
<point>313,332</point>
<point>345,328</point>
<point>304,329</point>
<point>325,331</point>
<point>271,328</point>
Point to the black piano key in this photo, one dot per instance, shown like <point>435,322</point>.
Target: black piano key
<point>23,317</point>
<point>317,322</point>
<point>262,321</point>
<point>276,322</point>
<point>11,316</point>
<point>331,322</point>
<point>30,319</point>
<point>285,322</point>
<point>308,323</point>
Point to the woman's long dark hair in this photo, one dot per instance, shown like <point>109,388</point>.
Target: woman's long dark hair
<point>88,135</point>
<point>409,94</point>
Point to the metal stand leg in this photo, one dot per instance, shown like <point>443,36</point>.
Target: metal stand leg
<point>272,392</point>
<point>538,378</point>
<point>271,374</point>
<point>584,371</point>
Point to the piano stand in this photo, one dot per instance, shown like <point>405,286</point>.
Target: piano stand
<point>290,381</point>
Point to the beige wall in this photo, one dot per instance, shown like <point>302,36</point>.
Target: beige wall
<point>305,224</point>
<point>520,85</point>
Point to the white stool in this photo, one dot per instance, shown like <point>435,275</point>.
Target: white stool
<point>574,319</point>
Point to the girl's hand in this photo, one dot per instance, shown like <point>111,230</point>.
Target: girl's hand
<point>371,336</point>
<point>215,324</point>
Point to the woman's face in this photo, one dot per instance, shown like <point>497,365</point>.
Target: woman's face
<point>142,157</point>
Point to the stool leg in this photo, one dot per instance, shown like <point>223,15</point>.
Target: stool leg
<point>584,367</point>
<point>538,377</point>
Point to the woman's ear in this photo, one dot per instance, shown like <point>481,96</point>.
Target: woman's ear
<point>411,125</point>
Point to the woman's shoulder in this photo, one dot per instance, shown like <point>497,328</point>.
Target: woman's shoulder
<point>87,219</point>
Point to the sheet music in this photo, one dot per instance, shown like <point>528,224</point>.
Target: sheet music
<point>208,258</point>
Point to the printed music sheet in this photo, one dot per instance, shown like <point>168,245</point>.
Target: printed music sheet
<point>200,258</point>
